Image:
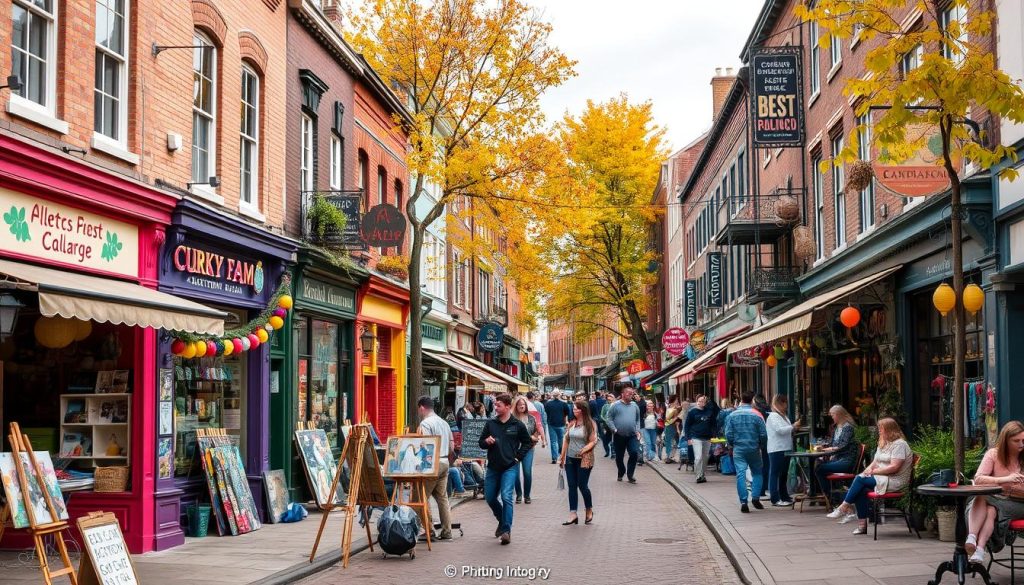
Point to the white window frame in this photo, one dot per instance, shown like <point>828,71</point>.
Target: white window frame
<point>200,39</point>
<point>484,288</point>
<point>867,194</point>
<point>458,279</point>
<point>818,184</point>
<point>839,193</point>
<point>249,201</point>
<point>43,114</point>
<point>336,162</point>
<point>912,59</point>
<point>815,72</point>
<point>306,181</point>
<point>961,17</point>
<point>835,52</point>
<point>121,139</point>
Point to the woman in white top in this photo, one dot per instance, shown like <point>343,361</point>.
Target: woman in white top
<point>651,430</point>
<point>889,471</point>
<point>780,441</point>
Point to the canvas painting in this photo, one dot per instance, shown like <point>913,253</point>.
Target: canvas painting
<point>105,382</point>
<point>13,490</point>
<point>320,465</point>
<point>411,456</point>
<point>165,454</point>
<point>166,418</point>
<point>166,384</point>
<point>277,494</point>
<point>203,446</point>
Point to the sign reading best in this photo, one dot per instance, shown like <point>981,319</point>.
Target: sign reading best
<point>53,232</point>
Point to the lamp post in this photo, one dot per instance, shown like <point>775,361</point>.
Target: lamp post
<point>366,341</point>
<point>9,308</point>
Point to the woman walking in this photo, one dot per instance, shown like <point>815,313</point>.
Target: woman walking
<point>780,441</point>
<point>524,481</point>
<point>671,436</point>
<point>650,431</point>
<point>578,460</point>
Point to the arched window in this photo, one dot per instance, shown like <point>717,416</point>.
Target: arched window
<point>364,177</point>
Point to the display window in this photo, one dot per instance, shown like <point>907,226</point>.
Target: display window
<point>322,365</point>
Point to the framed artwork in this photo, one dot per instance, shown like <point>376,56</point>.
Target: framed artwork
<point>104,382</point>
<point>13,489</point>
<point>120,381</point>
<point>166,418</point>
<point>165,455</point>
<point>412,456</point>
<point>320,466</point>
<point>277,494</point>
<point>166,383</point>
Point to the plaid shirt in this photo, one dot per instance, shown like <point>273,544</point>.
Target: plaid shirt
<point>744,429</point>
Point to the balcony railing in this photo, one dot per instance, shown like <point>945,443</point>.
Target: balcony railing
<point>758,219</point>
<point>773,284</point>
<point>348,202</point>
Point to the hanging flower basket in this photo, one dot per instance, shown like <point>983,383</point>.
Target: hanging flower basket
<point>787,209</point>
<point>858,176</point>
<point>396,266</point>
<point>803,242</point>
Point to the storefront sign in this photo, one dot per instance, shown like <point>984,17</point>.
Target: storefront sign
<point>58,233</point>
<point>675,340</point>
<point>349,205</point>
<point>714,280</point>
<point>636,366</point>
<point>690,303</point>
<point>434,332</point>
<point>327,295</point>
<point>205,267</point>
<point>698,340</point>
<point>384,226</point>
<point>586,371</point>
<point>491,337</point>
<point>920,175</point>
<point>776,94</point>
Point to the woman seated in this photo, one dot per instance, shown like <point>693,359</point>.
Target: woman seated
<point>890,471</point>
<point>844,450</point>
<point>988,517</point>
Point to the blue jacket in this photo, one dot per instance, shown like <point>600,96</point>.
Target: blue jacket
<point>700,423</point>
<point>744,429</point>
<point>557,412</point>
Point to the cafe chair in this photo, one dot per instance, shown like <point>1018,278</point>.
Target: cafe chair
<point>844,478</point>
<point>878,501</point>
<point>1015,556</point>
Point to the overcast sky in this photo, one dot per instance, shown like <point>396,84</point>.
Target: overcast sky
<point>665,51</point>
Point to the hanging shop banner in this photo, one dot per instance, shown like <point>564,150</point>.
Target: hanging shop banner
<point>714,280</point>
<point>690,301</point>
<point>675,340</point>
<point>384,226</point>
<point>777,97</point>
<point>491,337</point>
<point>350,238</point>
<point>634,367</point>
<point>211,268</point>
<point>698,340</point>
<point>922,174</point>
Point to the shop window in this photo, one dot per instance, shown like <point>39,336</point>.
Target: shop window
<point>321,370</point>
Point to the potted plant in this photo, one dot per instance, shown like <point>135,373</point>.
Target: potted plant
<point>326,221</point>
<point>397,266</point>
<point>934,445</point>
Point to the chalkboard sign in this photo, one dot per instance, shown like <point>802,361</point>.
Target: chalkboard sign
<point>107,560</point>
<point>471,431</point>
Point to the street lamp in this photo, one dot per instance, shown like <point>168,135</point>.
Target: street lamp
<point>366,341</point>
<point>9,308</point>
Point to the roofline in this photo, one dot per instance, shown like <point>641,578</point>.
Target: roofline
<point>766,20</point>
<point>731,101</point>
<point>377,84</point>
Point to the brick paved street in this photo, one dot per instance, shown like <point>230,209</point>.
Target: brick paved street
<point>612,550</point>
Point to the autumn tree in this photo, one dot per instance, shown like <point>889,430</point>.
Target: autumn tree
<point>597,246</point>
<point>473,72</point>
<point>957,80</point>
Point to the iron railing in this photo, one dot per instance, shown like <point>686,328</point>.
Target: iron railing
<point>349,202</point>
<point>773,282</point>
<point>782,207</point>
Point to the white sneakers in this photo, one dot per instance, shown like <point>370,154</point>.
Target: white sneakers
<point>848,518</point>
<point>978,556</point>
<point>836,513</point>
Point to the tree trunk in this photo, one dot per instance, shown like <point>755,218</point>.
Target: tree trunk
<point>959,326</point>
<point>635,324</point>
<point>416,313</point>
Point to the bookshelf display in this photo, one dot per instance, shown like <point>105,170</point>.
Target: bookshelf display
<point>95,429</point>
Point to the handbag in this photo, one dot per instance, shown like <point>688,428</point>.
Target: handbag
<point>587,460</point>
<point>561,479</point>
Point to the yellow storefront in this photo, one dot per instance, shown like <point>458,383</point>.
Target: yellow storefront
<point>381,330</point>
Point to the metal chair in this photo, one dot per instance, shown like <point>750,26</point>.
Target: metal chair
<point>877,501</point>
<point>844,477</point>
<point>1015,557</point>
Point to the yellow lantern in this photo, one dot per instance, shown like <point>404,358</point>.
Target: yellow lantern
<point>285,302</point>
<point>189,352</point>
<point>944,299</point>
<point>974,298</point>
<point>812,362</point>
<point>83,328</point>
<point>200,348</point>
<point>54,332</point>
<point>276,322</point>
<point>229,348</point>
<point>771,361</point>
<point>262,334</point>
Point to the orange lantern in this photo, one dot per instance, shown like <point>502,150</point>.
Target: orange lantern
<point>850,317</point>
<point>771,361</point>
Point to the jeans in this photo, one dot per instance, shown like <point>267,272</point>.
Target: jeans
<point>578,477</point>
<point>778,473</point>
<point>858,494</point>
<point>823,470</point>
<point>671,438</point>
<point>701,452</point>
<point>650,441</point>
<point>439,489</point>
<point>606,438</point>
<point>748,459</point>
<point>455,481</point>
<point>503,482</point>
<point>555,437</point>
<point>764,472</point>
<point>623,444</point>
<point>526,465</point>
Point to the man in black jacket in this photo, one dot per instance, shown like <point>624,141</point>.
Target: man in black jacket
<point>507,441</point>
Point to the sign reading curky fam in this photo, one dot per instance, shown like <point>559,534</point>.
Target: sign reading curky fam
<point>776,95</point>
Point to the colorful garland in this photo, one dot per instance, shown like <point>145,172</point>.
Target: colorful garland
<point>239,339</point>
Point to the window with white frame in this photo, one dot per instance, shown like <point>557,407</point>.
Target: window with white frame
<point>839,192</point>
<point>306,161</point>
<point>249,154</point>
<point>483,298</point>
<point>110,103</point>
<point>818,183</point>
<point>954,15</point>
<point>815,60</point>
<point>204,108</point>
<point>34,50</point>
<point>434,266</point>
<point>460,273</point>
<point>867,195</point>
<point>912,60</point>
<point>336,163</point>
<point>835,52</point>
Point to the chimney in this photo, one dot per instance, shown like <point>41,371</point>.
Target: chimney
<point>720,85</point>
<point>332,10</point>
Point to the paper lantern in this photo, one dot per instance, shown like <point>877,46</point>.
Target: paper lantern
<point>246,346</point>
<point>779,353</point>
<point>83,329</point>
<point>285,302</point>
<point>812,362</point>
<point>189,352</point>
<point>974,298</point>
<point>771,361</point>
<point>54,332</point>
<point>229,348</point>
<point>944,299</point>
<point>820,342</point>
<point>211,348</point>
<point>276,322</point>
<point>262,334</point>
<point>200,348</point>
<point>765,352</point>
<point>279,312</point>
<point>254,341</point>
<point>237,346</point>
<point>850,317</point>
<point>177,347</point>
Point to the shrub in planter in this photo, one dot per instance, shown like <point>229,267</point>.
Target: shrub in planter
<point>326,220</point>
<point>935,447</point>
<point>397,266</point>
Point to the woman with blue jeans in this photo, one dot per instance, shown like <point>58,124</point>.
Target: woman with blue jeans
<point>578,460</point>
<point>780,442</point>
<point>843,448</point>
<point>651,431</point>
<point>521,411</point>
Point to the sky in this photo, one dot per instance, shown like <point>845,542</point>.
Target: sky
<point>665,51</point>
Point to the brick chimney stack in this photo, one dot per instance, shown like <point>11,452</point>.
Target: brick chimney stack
<point>332,10</point>
<point>720,85</point>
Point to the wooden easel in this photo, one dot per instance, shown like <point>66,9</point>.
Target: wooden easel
<point>19,443</point>
<point>417,500</point>
<point>361,492</point>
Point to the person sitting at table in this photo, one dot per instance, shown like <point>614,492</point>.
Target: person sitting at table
<point>842,448</point>
<point>890,471</point>
<point>988,517</point>
<point>780,441</point>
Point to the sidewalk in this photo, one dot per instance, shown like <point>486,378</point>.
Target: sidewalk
<point>780,545</point>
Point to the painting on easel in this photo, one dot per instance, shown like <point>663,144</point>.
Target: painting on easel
<point>320,466</point>
<point>13,490</point>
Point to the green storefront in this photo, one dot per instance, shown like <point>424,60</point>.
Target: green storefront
<point>312,364</point>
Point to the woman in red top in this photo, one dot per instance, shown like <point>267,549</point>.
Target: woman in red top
<point>988,517</point>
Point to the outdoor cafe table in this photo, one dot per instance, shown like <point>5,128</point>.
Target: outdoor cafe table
<point>811,457</point>
<point>960,565</point>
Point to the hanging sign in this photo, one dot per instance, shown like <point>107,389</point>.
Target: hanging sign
<point>349,205</point>
<point>690,302</point>
<point>920,175</point>
<point>384,226</point>
<point>490,337</point>
<point>636,366</point>
<point>675,340</point>
<point>698,340</point>
<point>714,299</point>
<point>586,371</point>
<point>776,97</point>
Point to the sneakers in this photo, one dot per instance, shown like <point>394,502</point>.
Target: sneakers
<point>861,530</point>
<point>526,500</point>
<point>848,518</point>
<point>619,479</point>
<point>505,538</point>
<point>444,536</point>
<point>702,480</point>
<point>498,531</point>
<point>836,513</point>
<point>971,544</point>
<point>632,480</point>
<point>519,499</point>
<point>783,504</point>
<point>978,556</point>
<point>757,504</point>
<point>744,508</point>
<point>460,494</point>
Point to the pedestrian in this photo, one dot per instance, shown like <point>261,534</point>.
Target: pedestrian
<point>606,427</point>
<point>988,517</point>
<point>578,460</point>
<point>624,419</point>
<point>539,405</point>
<point>726,410</point>
<point>660,410</point>
<point>684,409</point>
<point>524,480</point>
<point>761,406</point>
<point>595,409</point>
<point>488,401</point>
<point>780,442</point>
<point>507,442</point>
<point>559,413</point>
<point>698,430</point>
<point>642,405</point>
<point>671,436</point>
<point>467,412</point>
<point>842,447</point>
<point>746,433</point>
<point>650,431</point>
<point>432,425</point>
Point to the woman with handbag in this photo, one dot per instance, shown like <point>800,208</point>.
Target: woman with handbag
<point>578,460</point>
<point>521,410</point>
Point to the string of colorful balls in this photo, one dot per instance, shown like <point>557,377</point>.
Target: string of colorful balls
<point>849,317</point>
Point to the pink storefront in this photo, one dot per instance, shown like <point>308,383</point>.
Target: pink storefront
<point>79,252</point>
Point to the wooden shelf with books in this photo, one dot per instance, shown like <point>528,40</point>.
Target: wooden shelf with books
<point>95,428</point>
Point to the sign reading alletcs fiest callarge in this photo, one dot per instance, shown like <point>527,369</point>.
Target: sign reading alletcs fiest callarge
<point>776,97</point>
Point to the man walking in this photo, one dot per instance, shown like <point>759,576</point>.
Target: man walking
<point>507,441</point>
<point>624,418</point>
<point>606,426</point>
<point>433,425</point>
<point>745,433</point>
<point>641,404</point>
<point>698,431</point>
<point>559,413</point>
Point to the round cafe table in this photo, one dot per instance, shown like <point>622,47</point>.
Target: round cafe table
<point>812,458</point>
<point>960,565</point>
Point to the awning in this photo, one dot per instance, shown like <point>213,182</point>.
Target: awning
<point>608,371</point>
<point>518,384</point>
<point>491,384</point>
<point>104,300</point>
<point>554,379</point>
<point>662,375</point>
<point>711,358</point>
<point>799,318</point>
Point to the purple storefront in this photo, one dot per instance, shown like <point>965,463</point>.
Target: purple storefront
<point>236,267</point>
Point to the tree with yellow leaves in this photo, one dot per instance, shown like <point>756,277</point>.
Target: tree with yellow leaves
<point>597,246</point>
<point>473,72</point>
<point>957,78</point>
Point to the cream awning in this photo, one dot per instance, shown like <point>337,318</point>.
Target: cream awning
<point>491,384</point>
<point>703,362</point>
<point>70,294</point>
<point>799,318</point>
<point>519,385</point>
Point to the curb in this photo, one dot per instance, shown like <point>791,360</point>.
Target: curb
<point>749,574</point>
<point>323,562</point>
